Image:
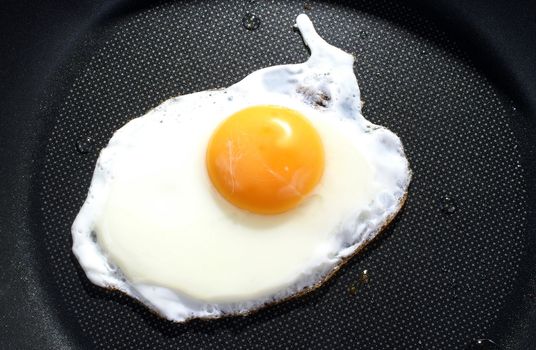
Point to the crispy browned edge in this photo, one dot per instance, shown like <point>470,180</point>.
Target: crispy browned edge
<point>302,292</point>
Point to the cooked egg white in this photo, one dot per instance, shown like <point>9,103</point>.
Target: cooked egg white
<point>156,227</point>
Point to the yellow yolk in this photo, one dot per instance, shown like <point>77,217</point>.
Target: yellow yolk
<point>265,159</point>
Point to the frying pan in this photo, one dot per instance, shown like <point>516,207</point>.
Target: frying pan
<point>455,80</point>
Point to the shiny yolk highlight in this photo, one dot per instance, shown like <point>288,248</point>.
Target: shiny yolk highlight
<point>265,159</point>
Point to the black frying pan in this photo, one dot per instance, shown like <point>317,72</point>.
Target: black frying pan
<point>456,80</point>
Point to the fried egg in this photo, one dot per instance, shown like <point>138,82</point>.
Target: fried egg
<point>220,202</point>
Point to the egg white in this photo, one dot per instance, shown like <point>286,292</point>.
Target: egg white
<point>153,227</point>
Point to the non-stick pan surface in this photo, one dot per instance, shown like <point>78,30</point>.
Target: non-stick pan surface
<point>455,270</point>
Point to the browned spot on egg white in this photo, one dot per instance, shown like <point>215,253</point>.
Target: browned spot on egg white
<point>315,97</point>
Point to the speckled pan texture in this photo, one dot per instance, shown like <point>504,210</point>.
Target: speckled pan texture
<point>438,278</point>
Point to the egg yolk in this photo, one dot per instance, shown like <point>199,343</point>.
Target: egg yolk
<point>265,159</point>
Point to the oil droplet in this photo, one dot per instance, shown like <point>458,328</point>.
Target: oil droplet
<point>448,205</point>
<point>484,344</point>
<point>353,289</point>
<point>364,277</point>
<point>84,144</point>
<point>363,35</point>
<point>251,22</point>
